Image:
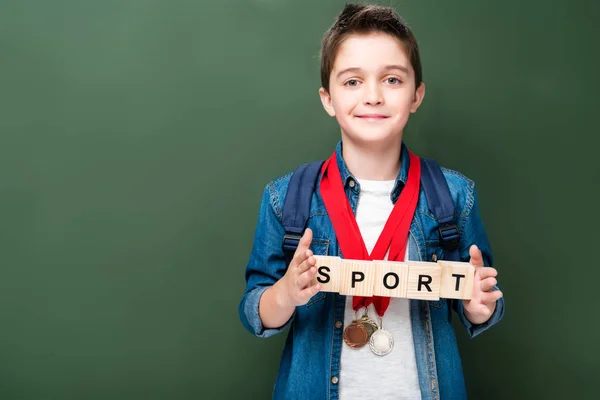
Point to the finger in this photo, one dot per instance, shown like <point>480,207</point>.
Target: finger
<point>476,256</point>
<point>490,297</point>
<point>487,272</point>
<point>305,278</point>
<point>302,250</point>
<point>306,264</point>
<point>309,292</point>
<point>305,240</point>
<point>488,284</point>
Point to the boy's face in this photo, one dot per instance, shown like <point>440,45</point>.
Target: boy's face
<point>372,89</point>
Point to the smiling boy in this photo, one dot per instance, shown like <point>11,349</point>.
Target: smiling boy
<point>367,204</point>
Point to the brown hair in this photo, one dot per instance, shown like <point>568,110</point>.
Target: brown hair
<point>364,19</point>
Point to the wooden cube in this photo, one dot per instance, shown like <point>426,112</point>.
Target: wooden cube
<point>423,280</point>
<point>391,278</point>
<point>328,273</point>
<point>358,277</point>
<point>457,280</point>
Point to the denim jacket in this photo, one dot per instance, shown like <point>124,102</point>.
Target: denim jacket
<point>310,363</point>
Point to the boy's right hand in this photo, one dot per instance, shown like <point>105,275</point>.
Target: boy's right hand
<point>294,288</point>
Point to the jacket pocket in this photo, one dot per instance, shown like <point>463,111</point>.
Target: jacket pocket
<point>317,298</point>
<point>320,247</point>
<point>437,303</point>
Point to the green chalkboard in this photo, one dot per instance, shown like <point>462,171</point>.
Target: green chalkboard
<point>136,137</point>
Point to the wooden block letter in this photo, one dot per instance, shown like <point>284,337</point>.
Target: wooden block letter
<point>358,278</point>
<point>423,280</point>
<point>328,273</point>
<point>457,279</point>
<point>391,278</point>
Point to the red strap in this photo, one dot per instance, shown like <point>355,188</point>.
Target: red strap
<point>395,232</point>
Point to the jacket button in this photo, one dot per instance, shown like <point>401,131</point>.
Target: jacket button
<point>352,183</point>
<point>338,324</point>
<point>334,380</point>
<point>434,257</point>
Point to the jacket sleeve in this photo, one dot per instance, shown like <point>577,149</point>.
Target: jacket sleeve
<point>473,232</point>
<point>266,266</point>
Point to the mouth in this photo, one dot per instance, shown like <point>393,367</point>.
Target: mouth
<point>372,117</point>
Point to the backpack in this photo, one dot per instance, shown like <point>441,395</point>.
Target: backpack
<point>296,207</point>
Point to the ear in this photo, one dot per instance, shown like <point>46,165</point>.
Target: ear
<point>419,94</point>
<point>326,101</point>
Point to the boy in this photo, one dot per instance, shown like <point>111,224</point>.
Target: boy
<point>371,83</point>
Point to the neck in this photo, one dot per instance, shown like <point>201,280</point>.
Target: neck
<point>377,162</point>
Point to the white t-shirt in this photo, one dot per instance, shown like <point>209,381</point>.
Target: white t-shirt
<point>363,374</point>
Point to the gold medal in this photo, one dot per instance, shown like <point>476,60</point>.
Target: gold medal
<point>368,323</point>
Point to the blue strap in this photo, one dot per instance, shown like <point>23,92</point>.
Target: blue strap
<point>441,205</point>
<point>296,207</point>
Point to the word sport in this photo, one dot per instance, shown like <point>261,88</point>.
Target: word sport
<point>410,279</point>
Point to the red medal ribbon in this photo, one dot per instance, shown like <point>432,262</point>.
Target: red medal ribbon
<point>395,232</point>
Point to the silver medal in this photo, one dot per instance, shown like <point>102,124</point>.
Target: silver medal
<point>381,341</point>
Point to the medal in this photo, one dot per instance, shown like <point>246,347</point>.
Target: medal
<point>368,323</point>
<point>381,342</point>
<point>356,334</point>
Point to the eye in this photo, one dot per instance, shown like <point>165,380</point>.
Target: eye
<point>351,83</point>
<point>393,81</point>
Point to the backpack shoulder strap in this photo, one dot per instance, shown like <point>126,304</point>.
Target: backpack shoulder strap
<point>441,205</point>
<point>296,208</point>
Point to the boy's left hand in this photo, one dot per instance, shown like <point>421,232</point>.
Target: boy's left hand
<point>483,301</point>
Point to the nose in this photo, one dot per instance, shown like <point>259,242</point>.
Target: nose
<point>373,95</point>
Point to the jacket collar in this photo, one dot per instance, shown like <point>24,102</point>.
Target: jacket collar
<point>347,176</point>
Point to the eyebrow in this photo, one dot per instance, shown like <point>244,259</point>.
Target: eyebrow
<point>400,67</point>
<point>386,68</point>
